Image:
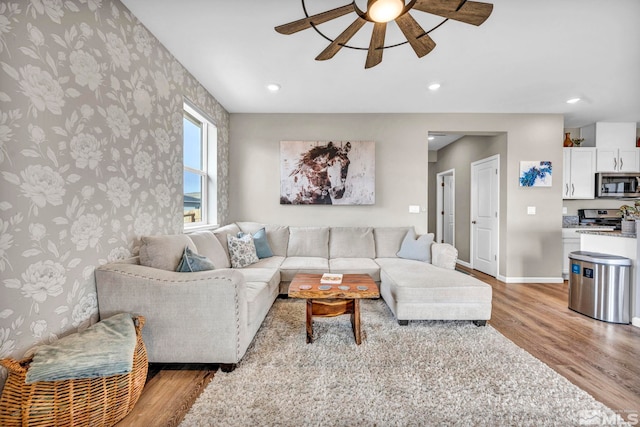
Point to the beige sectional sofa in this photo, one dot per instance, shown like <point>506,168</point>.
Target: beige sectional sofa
<point>212,316</point>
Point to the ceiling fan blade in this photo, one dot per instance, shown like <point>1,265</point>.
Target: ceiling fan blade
<point>342,39</point>
<point>471,12</point>
<point>419,41</point>
<point>303,24</point>
<point>374,57</point>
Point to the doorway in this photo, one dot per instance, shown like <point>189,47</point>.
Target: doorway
<point>485,215</point>
<point>446,214</point>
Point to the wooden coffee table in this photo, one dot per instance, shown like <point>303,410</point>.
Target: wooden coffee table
<point>334,301</point>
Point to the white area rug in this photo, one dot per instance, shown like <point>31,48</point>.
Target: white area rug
<point>423,374</point>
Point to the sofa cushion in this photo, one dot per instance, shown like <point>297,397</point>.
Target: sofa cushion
<point>351,242</point>
<point>388,240</point>
<point>308,242</point>
<point>294,265</point>
<point>270,276</point>
<point>164,252</point>
<point>242,251</point>
<point>417,249</point>
<point>192,262</point>
<point>444,255</point>
<point>221,234</point>
<point>263,250</point>
<point>207,244</point>
<point>260,297</point>
<point>355,266</point>
<point>271,262</point>
<point>277,235</point>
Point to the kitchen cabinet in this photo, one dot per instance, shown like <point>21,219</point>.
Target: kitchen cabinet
<point>615,135</point>
<point>579,167</point>
<point>618,159</point>
<point>571,242</point>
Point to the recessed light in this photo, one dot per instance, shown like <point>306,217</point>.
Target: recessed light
<point>434,86</point>
<point>273,87</point>
<point>573,100</point>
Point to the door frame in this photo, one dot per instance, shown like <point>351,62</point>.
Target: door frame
<point>439,201</point>
<point>496,229</point>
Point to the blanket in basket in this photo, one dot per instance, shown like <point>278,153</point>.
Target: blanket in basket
<point>105,348</point>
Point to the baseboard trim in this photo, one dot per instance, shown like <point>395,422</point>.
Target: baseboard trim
<point>636,322</point>
<point>530,279</point>
<point>464,263</point>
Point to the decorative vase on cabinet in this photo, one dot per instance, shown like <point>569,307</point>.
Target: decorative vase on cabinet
<point>567,140</point>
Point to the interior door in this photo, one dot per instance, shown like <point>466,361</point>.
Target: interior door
<point>484,215</point>
<point>448,212</point>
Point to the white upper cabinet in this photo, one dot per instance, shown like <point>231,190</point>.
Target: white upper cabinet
<point>616,146</point>
<point>579,167</point>
<point>615,135</point>
<point>618,160</point>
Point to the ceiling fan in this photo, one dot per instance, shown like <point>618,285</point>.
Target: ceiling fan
<point>379,12</point>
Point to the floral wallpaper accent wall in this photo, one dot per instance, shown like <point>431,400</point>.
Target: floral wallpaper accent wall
<point>90,157</point>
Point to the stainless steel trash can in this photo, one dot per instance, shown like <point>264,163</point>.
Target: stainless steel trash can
<point>599,286</point>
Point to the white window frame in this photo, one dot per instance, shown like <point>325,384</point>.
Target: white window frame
<point>208,172</point>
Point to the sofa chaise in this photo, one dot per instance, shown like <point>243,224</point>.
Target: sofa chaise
<point>212,316</point>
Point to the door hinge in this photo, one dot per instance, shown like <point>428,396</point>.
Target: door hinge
<point>495,257</point>
<point>442,183</point>
<point>442,213</point>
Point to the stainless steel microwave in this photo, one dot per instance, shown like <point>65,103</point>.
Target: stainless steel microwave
<point>618,184</point>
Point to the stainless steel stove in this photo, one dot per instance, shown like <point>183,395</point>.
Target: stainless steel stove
<point>600,218</point>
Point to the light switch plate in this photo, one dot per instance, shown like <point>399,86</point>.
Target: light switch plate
<point>564,210</point>
<point>414,209</point>
<point>531,210</point>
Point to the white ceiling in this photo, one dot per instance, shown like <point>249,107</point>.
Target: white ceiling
<point>530,56</point>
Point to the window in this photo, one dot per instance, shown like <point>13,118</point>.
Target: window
<point>199,157</point>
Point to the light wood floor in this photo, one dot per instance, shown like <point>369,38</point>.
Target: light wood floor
<point>599,357</point>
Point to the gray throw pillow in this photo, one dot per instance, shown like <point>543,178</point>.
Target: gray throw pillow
<point>242,251</point>
<point>419,250</point>
<point>192,262</point>
<point>263,250</point>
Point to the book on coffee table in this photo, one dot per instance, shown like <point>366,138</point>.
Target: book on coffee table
<point>331,279</point>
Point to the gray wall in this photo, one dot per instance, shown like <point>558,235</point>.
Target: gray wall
<point>531,244</point>
<point>459,156</point>
<point>91,158</point>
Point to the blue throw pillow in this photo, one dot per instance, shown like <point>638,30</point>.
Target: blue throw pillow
<point>192,262</point>
<point>419,250</point>
<point>263,250</point>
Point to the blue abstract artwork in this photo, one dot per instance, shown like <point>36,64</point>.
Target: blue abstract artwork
<point>535,173</point>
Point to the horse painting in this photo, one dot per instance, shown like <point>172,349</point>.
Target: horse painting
<point>319,177</point>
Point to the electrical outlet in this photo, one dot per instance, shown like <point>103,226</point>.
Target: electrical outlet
<point>414,209</point>
<point>531,210</point>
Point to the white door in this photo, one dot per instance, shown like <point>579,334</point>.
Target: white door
<point>485,201</point>
<point>448,213</point>
<point>445,207</point>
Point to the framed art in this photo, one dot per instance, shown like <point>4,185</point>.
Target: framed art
<point>327,173</point>
<point>535,173</point>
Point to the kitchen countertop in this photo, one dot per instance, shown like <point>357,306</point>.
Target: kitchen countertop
<point>588,227</point>
<point>612,233</point>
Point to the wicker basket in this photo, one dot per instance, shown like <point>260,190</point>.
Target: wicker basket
<point>80,402</point>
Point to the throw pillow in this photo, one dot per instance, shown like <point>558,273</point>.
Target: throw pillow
<point>419,250</point>
<point>242,251</point>
<point>191,262</point>
<point>263,250</point>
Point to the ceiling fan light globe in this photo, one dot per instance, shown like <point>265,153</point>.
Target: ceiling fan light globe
<point>384,10</point>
